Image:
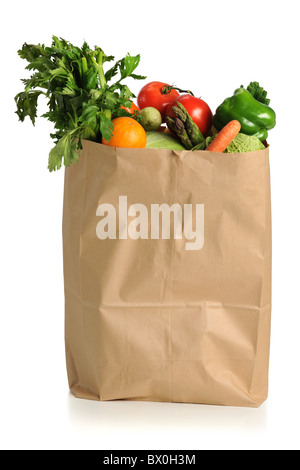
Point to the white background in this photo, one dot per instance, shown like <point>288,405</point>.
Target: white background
<point>211,48</point>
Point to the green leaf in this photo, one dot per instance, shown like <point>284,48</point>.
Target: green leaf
<point>31,52</point>
<point>59,72</point>
<point>90,79</point>
<point>125,92</point>
<point>55,158</point>
<point>128,65</point>
<point>113,71</point>
<point>138,77</point>
<point>42,64</point>
<point>88,133</point>
<point>68,91</point>
<point>27,104</point>
<point>106,126</point>
<point>65,150</point>
<point>89,114</point>
<point>85,48</point>
<point>111,100</point>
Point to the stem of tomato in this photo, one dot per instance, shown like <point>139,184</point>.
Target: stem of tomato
<point>166,89</point>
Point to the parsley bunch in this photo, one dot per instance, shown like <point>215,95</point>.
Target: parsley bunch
<point>82,99</point>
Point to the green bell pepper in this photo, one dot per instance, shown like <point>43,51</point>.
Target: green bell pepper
<point>249,107</point>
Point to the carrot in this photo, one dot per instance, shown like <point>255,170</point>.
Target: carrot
<point>225,137</point>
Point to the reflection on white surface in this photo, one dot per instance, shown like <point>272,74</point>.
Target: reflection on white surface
<point>127,416</point>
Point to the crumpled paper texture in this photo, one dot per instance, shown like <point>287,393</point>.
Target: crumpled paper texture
<point>149,320</point>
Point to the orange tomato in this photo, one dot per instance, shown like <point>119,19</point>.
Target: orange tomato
<point>132,109</point>
<point>127,133</point>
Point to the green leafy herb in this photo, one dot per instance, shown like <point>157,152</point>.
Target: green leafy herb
<point>82,101</point>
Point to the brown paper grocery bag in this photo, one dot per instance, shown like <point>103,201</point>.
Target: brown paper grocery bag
<point>167,267</point>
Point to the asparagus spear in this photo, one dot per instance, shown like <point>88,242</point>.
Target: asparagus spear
<point>192,129</point>
<point>179,113</point>
<point>182,134</point>
<point>177,126</point>
<point>171,124</point>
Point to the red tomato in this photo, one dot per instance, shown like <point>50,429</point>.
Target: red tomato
<point>199,111</point>
<point>132,109</point>
<point>155,95</point>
